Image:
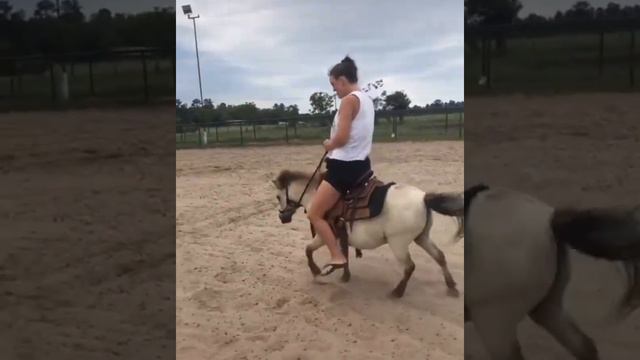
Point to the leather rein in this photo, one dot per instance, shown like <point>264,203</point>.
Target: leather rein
<point>292,206</point>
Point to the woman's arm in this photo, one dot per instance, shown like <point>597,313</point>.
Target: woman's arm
<point>348,110</point>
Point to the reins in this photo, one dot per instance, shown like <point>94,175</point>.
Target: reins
<point>298,203</point>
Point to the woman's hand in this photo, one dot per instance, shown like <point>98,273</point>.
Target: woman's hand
<point>327,145</point>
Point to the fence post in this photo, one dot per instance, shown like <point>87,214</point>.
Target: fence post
<point>286,132</point>
<point>601,54</point>
<point>217,133</point>
<point>446,119</point>
<point>460,125</point>
<point>632,46</point>
<point>489,64</point>
<point>144,74</point>
<point>53,83</point>
<point>254,130</point>
<point>241,135</point>
<point>92,89</point>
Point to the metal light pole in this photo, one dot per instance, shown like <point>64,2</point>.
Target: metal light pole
<point>186,9</point>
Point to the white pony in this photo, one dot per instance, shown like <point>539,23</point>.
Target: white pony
<point>406,217</point>
<point>516,265</point>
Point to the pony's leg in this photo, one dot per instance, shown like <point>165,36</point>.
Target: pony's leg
<point>497,328</point>
<point>346,273</point>
<point>430,247</point>
<point>400,250</point>
<point>315,244</point>
<point>550,315</point>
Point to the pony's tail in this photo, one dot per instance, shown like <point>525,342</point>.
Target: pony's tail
<point>610,234</point>
<point>449,205</point>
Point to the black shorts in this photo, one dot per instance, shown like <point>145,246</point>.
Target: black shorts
<point>343,175</point>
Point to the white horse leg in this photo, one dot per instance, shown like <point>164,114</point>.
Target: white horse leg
<point>430,247</point>
<point>400,250</point>
<point>497,327</point>
<point>315,244</point>
<point>550,315</point>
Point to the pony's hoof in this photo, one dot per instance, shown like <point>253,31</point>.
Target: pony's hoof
<point>453,292</point>
<point>396,294</point>
<point>315,270</point>
<point>345,277</point>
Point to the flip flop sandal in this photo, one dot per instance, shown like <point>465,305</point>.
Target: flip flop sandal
<point>329,268</point>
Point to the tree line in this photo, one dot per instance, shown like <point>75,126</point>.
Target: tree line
<point>321,103</point>
<point>55,27</point>
<point>504,12</point>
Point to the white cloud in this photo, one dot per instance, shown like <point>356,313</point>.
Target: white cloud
<point>277,50</point>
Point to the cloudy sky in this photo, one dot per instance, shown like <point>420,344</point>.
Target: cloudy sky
<point>279,51</point>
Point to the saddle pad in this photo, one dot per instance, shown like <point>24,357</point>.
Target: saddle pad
<point>377,199</point>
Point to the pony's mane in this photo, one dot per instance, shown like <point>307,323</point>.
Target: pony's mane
<point>286,177</point>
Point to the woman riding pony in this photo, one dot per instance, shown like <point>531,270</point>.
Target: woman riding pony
<point>347,153</point>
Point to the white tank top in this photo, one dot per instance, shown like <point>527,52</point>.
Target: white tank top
<point>358,146</point>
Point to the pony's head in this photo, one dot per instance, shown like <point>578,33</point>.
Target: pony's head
<point>289,186</point>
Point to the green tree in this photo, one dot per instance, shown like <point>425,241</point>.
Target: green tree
<point>44,9</point>
<point>397,101</point>
<point>321,102</point>
<point>493,12</point>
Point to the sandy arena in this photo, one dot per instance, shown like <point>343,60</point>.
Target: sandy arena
<point>244,290</point>
<point>573,150</point>
<point>87,254</point>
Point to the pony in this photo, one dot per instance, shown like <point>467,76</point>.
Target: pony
<point>406,217</point>
<point>516,265</point>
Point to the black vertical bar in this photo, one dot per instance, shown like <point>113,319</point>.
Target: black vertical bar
<point>601,55</point>
<point>144,74</point>
<point>460,125</point>
<point>53,84</point>
<point>295,129</point>
<point>173,61</point>
<point>241,135</point>
<point>254,130</point>
<point>92,90</point>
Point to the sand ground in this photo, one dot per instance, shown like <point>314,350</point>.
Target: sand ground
<point>86,217</point>
<point>244,290</point>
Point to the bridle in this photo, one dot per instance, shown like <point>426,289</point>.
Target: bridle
<point>291,206</point>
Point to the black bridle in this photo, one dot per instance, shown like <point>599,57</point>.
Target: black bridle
<point>291,206</point>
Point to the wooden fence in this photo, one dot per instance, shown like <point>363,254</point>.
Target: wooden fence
<point>415,124</point>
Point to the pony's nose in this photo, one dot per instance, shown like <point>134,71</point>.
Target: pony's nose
<point>285,217</point>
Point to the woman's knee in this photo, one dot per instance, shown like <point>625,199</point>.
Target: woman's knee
<point>314,215</point>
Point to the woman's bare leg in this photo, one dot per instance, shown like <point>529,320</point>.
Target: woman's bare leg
<point>326,196</point>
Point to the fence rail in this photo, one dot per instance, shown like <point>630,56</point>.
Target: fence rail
<point>418,124</point>
<point>133,75</point>
<point>599,54</point>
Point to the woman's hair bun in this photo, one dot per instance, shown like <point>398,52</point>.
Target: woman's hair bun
<point>347,60</point>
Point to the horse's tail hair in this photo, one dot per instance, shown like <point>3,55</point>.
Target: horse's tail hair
<point>449,205</point>
<point>611,234</point>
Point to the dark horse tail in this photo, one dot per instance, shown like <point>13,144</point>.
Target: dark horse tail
<point>610,234</point>
<point>449,205</point>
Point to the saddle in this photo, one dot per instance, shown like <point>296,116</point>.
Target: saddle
<point>363,201</point>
